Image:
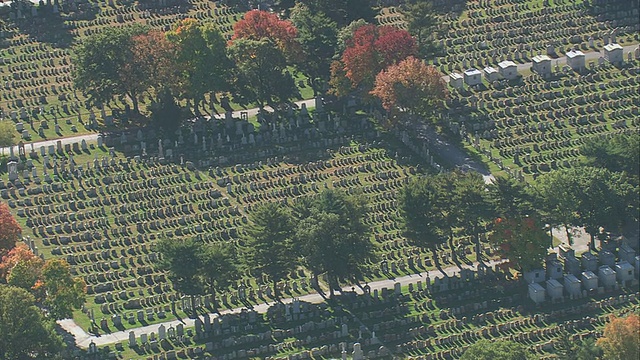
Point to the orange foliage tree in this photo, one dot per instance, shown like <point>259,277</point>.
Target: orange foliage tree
<point>25,263</point>
<point>258,25</point>
<point>411,85</point>
<point>621,338</point>
<point>10,230</point>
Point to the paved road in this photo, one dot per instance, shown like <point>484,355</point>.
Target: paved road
<point>83,339</point>
<point>562,60</point>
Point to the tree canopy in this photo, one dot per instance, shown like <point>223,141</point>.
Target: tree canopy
<point>619,153</point>
<point>10,231</point>
<point>268,243</point>
<point>621,338</point>
<point>258,25</point>
<point>522,240</point>
<point>496,349</point>
<point>26,334</point>
<point>411,86</point>
<point>333,236</point>
<point>7,134</point>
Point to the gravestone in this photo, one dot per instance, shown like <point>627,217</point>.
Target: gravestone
<point>132,339</point>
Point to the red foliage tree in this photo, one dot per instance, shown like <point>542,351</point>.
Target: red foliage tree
<point>10,230</point>
<point>258,25</point>
<point>410,85</point>
<point>522,241</point>
<point>373,48</point>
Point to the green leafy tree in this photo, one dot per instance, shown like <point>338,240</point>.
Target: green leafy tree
<point>343,12</point>
<point>203,58</point>
<point>590,197</point>
<point>619,153</point>
<point>317,35</point>
<point>99,61</point>
<point>418,206</point>
<point>181,259</point>
<point>261,74</point>
<point>509,197</point>
<point>522,241</point>
<point>268,243</point>
<point>421,23</point>
<point>566,349</point>
<point>334,237</point>
<point>63,292</point>
<point>26,334</point>
<point>7,134</point>
<point>218,268</point>
<point>496,349</point>
<point>474,209</point>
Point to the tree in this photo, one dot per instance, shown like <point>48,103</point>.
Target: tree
<point>496,349</point>
<point>269,243</point>
<point>218,268</point>
<point>421,23</point>
<point>567,349</point>
<point>20,254</point>
<point>99,63</point>
<point>203,58</point>
<point>334,237</point>
<point>25,333</point>
<point>621,338</point>
<point>7,134</point>
<point>410,86</point>
<point>418,206</point>
<point>619,153</point>
<point>152,65</point>
<point>345,34</point>
<point>472,205</point>
<point>590,197</point>
<point>62,292</point>
<point>317,36</point>
<point>258,25</point>
<point>522,241</point>
<point>261,74</point>
<point>181,259</point>
<point>343,12</point>
<point>509,198</point>
<point>373,48</point>
<point>10,231</point>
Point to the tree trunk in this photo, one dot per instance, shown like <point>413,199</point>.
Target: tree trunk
<point>214,300</point>
<point>592,242</point>
<point>434,252</point>
<point>134,101</point>
<point>275,290</point>
<point>453,251</point>
<point>569,239</point>
<point>193,306</point>
<point>331,280</point>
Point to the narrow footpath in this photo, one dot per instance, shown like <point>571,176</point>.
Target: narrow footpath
<point>83,339</point>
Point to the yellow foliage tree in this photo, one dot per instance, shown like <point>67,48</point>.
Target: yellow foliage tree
<point>621,340</point>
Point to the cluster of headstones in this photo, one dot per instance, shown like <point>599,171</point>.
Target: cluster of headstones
<point>515,31</point>
<point>533,123</point>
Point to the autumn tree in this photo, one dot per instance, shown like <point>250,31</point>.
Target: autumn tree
<point>268,243</point>
<point>521,240</point>
<point>19,253</point>
<point>258,25</point>
<point>100,63</point>
<point>261,74</point>
<point>410,86</point>
<point>621,338</point>
<point>204,64</point>
<point>317,36</point>
<point>373,48</point>
<point>26,333</point>
<point>10,231</point>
